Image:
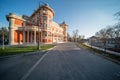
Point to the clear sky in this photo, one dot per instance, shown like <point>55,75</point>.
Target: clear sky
<point>89,16</point>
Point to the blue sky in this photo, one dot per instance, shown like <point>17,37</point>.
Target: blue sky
<point>89,16</point>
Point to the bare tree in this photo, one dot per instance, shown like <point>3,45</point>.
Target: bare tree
<point>110,32</point>
<point>117,30</point>
<point>117,34</point>
<point>117,26</point>
<point>117,15</point>
<point>97,34</point>
<point>3,35</point>
<point>79,38</point>
<point>75,35</point>
<point>68,37</point>
<point>102,34</point>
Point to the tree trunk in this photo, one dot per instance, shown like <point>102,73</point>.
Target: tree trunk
<point>91,44</point>
<point>105,46</point>
<point>3,41</point>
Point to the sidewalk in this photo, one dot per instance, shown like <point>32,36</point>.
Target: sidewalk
<point>108,51</point>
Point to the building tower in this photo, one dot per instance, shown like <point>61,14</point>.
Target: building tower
<point>44,14</point>
<point>64,26</point>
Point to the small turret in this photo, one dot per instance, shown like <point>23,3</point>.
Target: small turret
<point>64,26</point>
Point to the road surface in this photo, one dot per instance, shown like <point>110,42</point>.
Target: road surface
<point>65,62</point>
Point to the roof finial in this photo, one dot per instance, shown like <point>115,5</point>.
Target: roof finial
<point>63,22</point>
<point>46,4</point>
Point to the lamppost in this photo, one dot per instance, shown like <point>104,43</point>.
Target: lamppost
<point>39,24</point>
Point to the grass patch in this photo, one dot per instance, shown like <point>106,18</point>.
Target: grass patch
<point>45,47</point>
<point>22,49</point>
<point>103,53</point>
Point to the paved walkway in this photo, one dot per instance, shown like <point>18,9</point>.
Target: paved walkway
<point>108,51</point>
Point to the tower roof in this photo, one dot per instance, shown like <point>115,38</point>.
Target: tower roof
<point>43,6</point>
<point>63,23</point>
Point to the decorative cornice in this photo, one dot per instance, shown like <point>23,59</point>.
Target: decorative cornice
<point>12,15</point>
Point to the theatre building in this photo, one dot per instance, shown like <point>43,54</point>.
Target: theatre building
<point>24,30</point>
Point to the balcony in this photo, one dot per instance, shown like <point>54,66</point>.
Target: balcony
<point>30,28</point>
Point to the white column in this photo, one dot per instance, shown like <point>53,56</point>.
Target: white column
<point>24,32</point>
<point>23,36</point>
<point>11,31</point>
<point>31,36</point>
<point>35,37</point>
<point>27,36</point>
<point>19,37</point>
<point>46,37</point>
<point>66,35</point>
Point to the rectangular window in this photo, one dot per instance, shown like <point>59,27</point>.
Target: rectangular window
<point>44,33</point>
<point>44,18</point>
<point>44,25</point>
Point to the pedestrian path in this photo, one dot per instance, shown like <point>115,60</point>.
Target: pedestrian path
<point>108,51</point>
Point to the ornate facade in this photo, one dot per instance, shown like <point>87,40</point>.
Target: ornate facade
<point>24,30</point>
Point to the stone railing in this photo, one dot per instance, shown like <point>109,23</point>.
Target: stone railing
<point>28,28</point>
